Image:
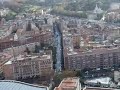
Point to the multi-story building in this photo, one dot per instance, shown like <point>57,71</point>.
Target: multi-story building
<point>4,57</point>
<point>32,65</point>
<point>76,41</point>
<point>98,58</point>
<point>90,45</point>
<point>26,31</point>
<point>69,84</point>
<point>45,38</point>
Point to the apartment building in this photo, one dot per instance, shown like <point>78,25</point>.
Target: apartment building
<point>33,65</point>
<point>69,84</point>
<point>96,58</point>
<point>20,35</point>
<point>4,57</point>
<point>46,38</point>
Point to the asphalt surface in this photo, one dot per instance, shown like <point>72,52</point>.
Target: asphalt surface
<point>57,36</point>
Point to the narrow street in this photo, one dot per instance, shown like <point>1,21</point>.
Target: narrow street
<point>57,37</point>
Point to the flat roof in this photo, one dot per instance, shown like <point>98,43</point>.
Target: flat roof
<point>94,51</point>
<point>17,85</point>
<point>9,62</point>
<point>23,57</point>
<point>102,80</point>
<point>68,83</point>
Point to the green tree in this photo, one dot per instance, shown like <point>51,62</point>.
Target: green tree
<point>70,13</point>
<point>10,16</point>
<point>64,74</point>
<point>73,6</point>
<point>2,75</point>
<point>88,5</point>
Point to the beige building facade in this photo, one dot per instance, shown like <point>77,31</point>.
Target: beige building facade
<point>25,66</point>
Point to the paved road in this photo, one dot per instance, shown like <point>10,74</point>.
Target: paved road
<point>58,47</point>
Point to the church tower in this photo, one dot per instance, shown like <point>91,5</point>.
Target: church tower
<point>98,10</point>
